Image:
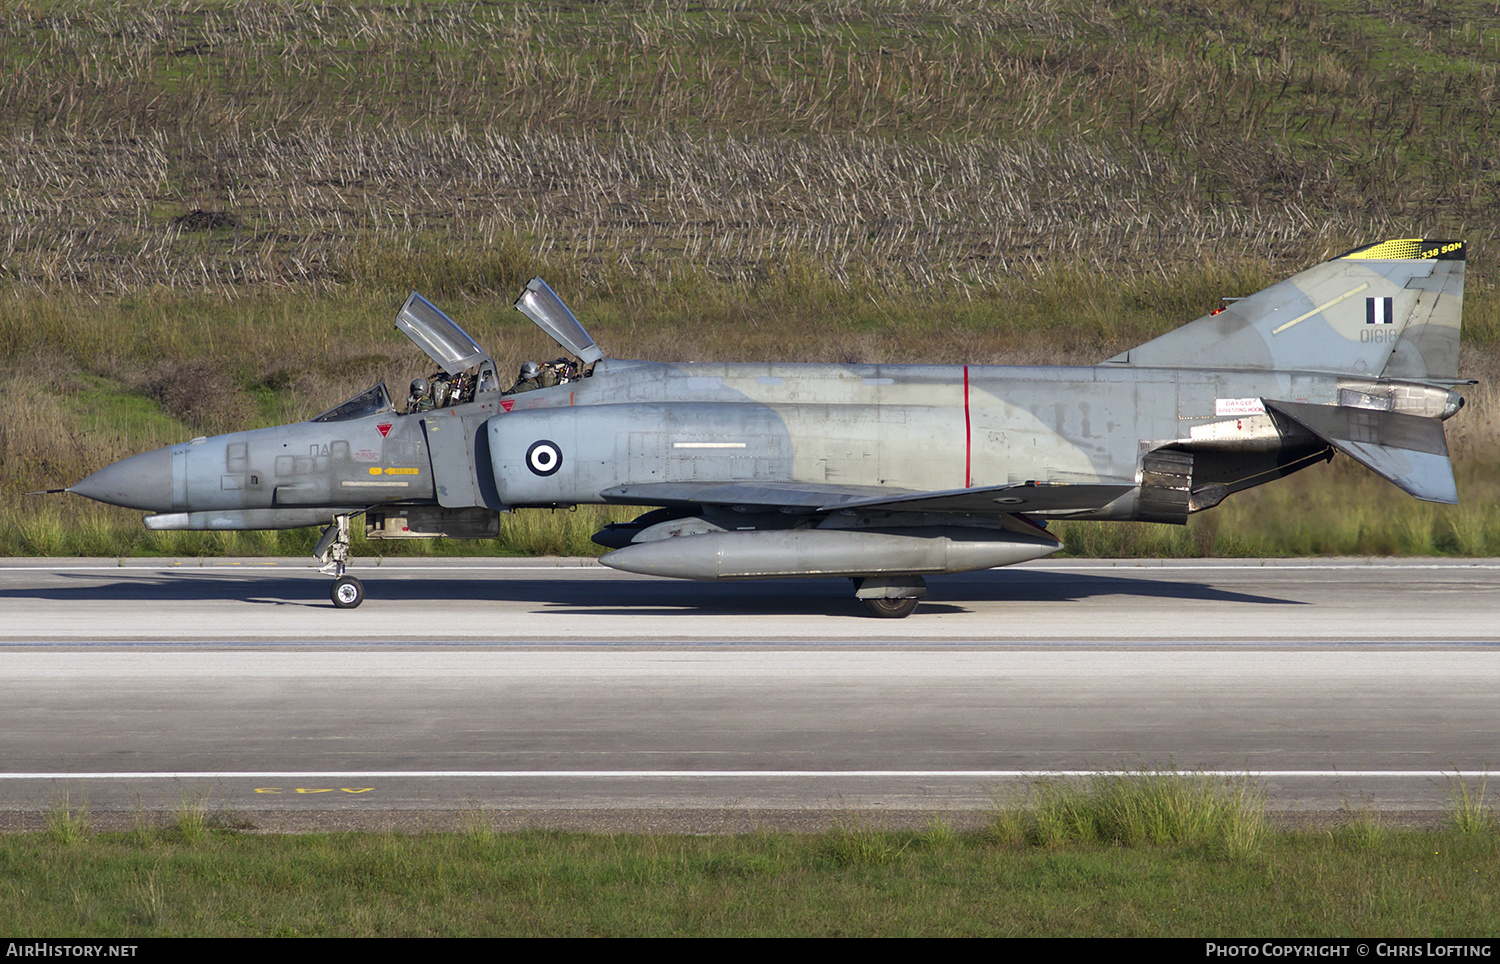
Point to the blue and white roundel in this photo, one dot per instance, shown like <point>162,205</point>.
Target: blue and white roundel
<point>544,457</point>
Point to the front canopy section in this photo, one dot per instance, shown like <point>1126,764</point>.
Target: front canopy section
<point>371,401</point>
<point>438,335</point>
<point>542,305</point>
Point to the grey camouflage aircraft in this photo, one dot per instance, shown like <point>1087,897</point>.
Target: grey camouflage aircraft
<point>880,473</point>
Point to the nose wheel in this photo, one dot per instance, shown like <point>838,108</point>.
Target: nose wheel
<point>348,592</point>
<point>333,551</point>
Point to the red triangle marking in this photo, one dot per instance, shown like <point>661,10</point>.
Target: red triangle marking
<point>507,404</point>
<point>384,429</point>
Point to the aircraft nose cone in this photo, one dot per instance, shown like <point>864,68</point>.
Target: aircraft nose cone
<point>140,482</point>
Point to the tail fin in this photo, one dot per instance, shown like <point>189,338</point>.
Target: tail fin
<point>1388,310</point>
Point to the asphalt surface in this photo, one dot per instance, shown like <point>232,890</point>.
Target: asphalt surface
<point>561,693</point>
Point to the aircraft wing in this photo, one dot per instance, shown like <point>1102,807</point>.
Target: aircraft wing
<point>806,497</point>
<point>1025,497</point>
<point>813,497</point>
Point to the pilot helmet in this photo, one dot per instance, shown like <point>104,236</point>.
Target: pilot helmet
<point>418,386</point>
<point>529,369</point>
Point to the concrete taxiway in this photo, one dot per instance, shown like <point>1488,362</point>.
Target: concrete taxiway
<point>551,686</point>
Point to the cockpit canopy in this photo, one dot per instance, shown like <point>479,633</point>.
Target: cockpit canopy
<point>542,305</point>
<point>452,348</point>
<point>469,369</point>
<point>439,336</point>
<point>371,401</point>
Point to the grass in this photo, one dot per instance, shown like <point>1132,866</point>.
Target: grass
<point>191,820</point>
<point>855,844</point>
<point>1134,809</point>
<point>1365,830</point>
<point>66,825</point>
<point>1470,812</point>
<point>1149,853</point>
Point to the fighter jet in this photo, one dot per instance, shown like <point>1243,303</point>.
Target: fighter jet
<point>882,474</point>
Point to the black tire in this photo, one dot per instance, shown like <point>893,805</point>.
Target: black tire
<point>347,592</point>
<point>890,608</point>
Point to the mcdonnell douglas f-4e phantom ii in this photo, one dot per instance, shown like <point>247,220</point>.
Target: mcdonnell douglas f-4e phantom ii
<point>880,473</point>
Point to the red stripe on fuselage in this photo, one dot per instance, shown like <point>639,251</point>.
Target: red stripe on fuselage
<point>968,435</point>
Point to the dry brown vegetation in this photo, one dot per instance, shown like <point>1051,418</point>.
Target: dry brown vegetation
<point>922,146</point>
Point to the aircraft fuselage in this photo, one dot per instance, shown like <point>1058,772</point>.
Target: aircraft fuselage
<point>900,427</point>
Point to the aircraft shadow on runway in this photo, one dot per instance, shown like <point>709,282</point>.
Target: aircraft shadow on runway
<point>946,594</point>
<point>597,595</point>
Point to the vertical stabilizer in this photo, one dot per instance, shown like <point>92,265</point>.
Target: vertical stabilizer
<point>1390,309</point>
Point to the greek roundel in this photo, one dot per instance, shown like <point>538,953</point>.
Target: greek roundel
<point>544,457</point>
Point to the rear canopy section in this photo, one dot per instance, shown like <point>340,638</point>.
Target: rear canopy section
<point>547,311</point>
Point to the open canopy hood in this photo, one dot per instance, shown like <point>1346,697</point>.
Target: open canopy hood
<point>542,305</point>
<point>438,335</point>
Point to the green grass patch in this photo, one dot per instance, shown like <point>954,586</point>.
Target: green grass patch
<point>1132,809</point>
<point>848,881</point>
<point>1472,812</point>
<point>66,824</point>
<point>1142,853</point>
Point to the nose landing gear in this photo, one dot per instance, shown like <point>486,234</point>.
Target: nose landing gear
<point>333,551</point>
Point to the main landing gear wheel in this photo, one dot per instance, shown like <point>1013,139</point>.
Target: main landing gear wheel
<point>890,608</point>
<point>348,592</point>
<point>889,597</point>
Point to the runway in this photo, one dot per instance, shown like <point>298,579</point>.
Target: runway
<point>457,602</point>
<point>552,686</point>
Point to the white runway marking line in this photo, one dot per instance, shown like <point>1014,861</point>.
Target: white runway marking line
<point>738,774</point>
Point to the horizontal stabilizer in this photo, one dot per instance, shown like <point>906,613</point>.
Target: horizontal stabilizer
<point>1407,450</point>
